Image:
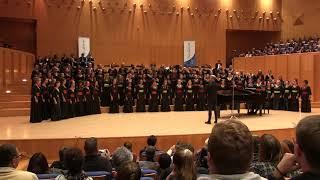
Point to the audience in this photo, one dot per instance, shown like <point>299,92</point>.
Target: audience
<point>228,155</point>
<point>230,152</point>
<point>183,166</point>
<point>269,155</point>
<point>59,164</point>
<point>151,141</point>
<point>129,171</point>
<point>92,160</point>
<point>128,145</point>
<point>9,161</point>
<point>304,45</point>
<point>306,152</point>
<point>120,156</point>
<point>73,159</point>
<point>164,166</point>
<point>149,162</point>
<point>38,164</point>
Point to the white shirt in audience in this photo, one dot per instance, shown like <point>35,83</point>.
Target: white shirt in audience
<point>13,174</point>
<point>245,176</point>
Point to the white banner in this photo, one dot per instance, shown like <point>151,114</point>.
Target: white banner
<point>83,46</point>
<point>189,53</point>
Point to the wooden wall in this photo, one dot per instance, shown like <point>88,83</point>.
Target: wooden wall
<point>50,147</point>
<point>147,35</point>
<point>304,66</point>
<point>14,67</point>
<point>300,18</point>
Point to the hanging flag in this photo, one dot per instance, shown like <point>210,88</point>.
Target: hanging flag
<point>189,53</point>
<point>84,46</point>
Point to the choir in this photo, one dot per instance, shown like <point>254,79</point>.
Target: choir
<point>68,87</point>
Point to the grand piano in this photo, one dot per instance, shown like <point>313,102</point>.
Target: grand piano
<point>254,100</point>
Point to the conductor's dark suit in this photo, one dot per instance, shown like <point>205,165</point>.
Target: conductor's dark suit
<point>212,89</point>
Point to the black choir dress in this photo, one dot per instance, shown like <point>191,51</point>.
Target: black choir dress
<point>63,101</point>
<point>195,88</point>
<point>165,99</point>
<point>153,103</point>
<point>36,105</point>
<point>294,101</point>
<point>80,105</point>
<point>286,95</point>
<point>201,104</point>
<point>179,98</point>
<point>72,100</point>
<point>305,99</point>
<point>89,101</point>
<point>96,100</point>
<point>128,102</point>
<point>121,91</point>
<point>277,93</point>
<point>105,97</point>
<point>114,104</point>
<point>56,105</point>
<point>189,99</point>
<point>140,107</point>
<point>269,100</point>
<point>46,103</point>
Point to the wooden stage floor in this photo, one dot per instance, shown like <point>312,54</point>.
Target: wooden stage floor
<point>113,129</point>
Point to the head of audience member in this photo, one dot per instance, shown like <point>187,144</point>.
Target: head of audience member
<point>183,165</point>
<point>183,145</point>
<point>129,171</point>
<point>120,156</point>
<point>230,148</point>
<point>38,164</point>
<point>74,159</point>
<point>150,153</point>
<point>9,156</point>
<point>164,161</point>
<point>269,149</point>
<point>91,146</point>
<point>307,148</point>
<point>128,145</point>
<point>152,140</point>
<point>287,146</point>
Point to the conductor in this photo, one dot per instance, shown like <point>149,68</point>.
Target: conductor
<point>212,89</point>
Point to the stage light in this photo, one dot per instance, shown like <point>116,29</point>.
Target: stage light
<point>177,13</point>
<point>8,91</point>
<point>94,8</point>
<point>24,80</point>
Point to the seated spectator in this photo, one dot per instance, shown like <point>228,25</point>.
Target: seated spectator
<point>59,164</point>
<point>269,155</point>
<point>306,152</point>
<point>149,162</point>
<point>121,155</point>
<point>151,141</point>
<point>92,160</point>
<point>128,145</point>
<point>256,144</point>
<point>9,161</point>
<point>183,166</point>
<point>288,145</point>
<point>129,171</point>
<point>230,152</point>
<point>164,166</point>
<point>202,159</point>
<point>38,164</point>
<point>74,162</point>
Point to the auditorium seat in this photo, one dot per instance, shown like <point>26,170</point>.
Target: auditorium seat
<point>46,176</point>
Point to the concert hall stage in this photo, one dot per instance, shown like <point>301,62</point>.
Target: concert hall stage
<point>114,129</point>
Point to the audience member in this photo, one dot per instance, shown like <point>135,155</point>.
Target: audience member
<point>38,164</point>
<point>60,164</point>
<point>149,162</point>
<point>306,152</point>
<point>73,159</point>
<point>164,166</point>
<point>121,155</point>
<point>129,171</point>
<point>183,166</point>
<point>269,155</point>
<point>230,151</point>
<point>128,145</point>
<point>9,160</point>
<point>288,145</point>
<point>92,160</point>
<point>151,141</point>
